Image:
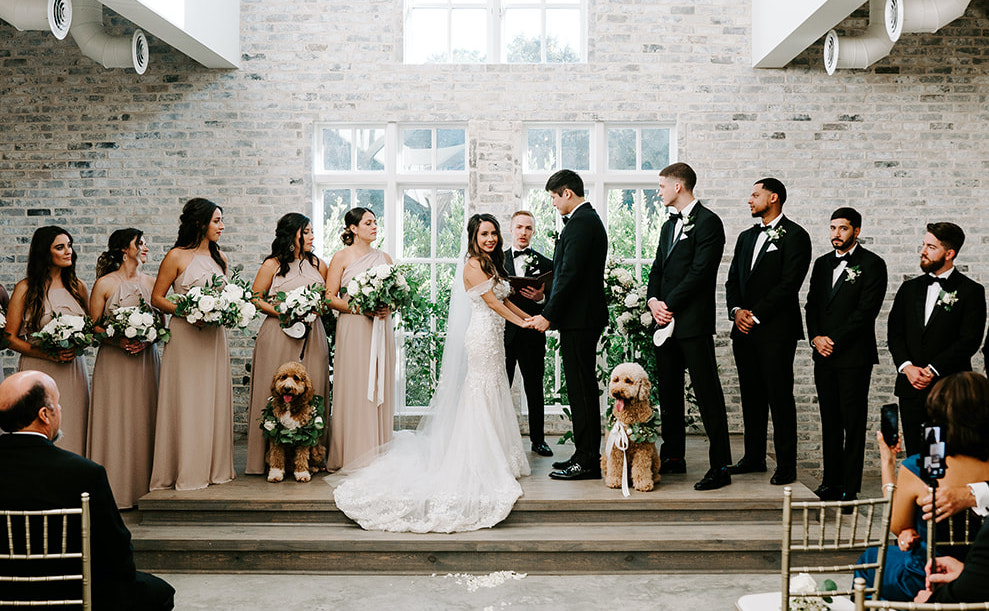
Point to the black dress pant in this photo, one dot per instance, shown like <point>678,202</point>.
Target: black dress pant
<point>528,348</point>
<point>578,350</point>
<point>843,399</point>
<point>696,355</point>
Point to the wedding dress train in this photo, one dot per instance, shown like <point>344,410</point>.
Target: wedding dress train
<point>458,471</point>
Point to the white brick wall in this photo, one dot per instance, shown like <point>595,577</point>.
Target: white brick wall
<point>94,149</point>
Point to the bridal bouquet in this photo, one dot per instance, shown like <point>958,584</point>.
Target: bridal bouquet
<point>378,287</point>
<point>299,307</point>
<point>65,332</point>
<point>139,323</point>
<point>218,303</point>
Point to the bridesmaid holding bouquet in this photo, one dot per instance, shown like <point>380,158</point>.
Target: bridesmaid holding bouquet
<point>125,376</point>
<point>194,424</point>
<point>363,406</point>
<point>291,266</point>
<point>51,287</point>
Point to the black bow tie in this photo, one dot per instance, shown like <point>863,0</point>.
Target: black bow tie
<point>565,218</point>
<point>676,216</point>
<point>836,260</point>
<point>519,253</point>
<point>929,279</point>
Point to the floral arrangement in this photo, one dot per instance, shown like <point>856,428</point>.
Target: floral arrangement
<point>219,303</point>
<point>378,287</point>
<point>640,432</point>
<point>138,322</point>
<point>947,300</point>
<point>802,586</point>
<point>299,307</point>
<point>626,301</point>
<point>852,274</point>
<point>65,332</point>
<point>289,432</point>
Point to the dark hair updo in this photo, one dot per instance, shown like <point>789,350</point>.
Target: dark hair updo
<point>353,217</point>
<point>113,257</point>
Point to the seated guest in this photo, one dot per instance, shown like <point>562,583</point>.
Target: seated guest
<point>38,475</point>
<point>974,496</point>
<point>958,582</point>
<point>956,404</point>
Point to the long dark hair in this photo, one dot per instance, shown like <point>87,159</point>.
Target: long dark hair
<point>957,403</point>
<point>193,224</point>
<point>113,257</point>
<point>492,264</point>
<point>39,263</point>
<point>282,246</point>
<point>353,217</point>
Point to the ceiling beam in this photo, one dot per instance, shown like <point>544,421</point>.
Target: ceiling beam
<point>782,29</point>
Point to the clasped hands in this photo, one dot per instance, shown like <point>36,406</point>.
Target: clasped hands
<point>919,377</point>
<point>745,320</point>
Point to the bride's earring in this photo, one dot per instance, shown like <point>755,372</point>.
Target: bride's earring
<point>291,248</point>
<point>123,259</point>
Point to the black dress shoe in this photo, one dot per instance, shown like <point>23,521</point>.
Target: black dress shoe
<point>542,449</point>
<point>850,509</point>
<point>829,493</point>
<point>670,466</point>
<point>714,479</point>
<point>577,471</point>
<point>783,477</point>
<point>563,464</point>
<point>747,466</point>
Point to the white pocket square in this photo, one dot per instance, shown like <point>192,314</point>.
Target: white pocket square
<point>771,248</point>
<point>683,236</point>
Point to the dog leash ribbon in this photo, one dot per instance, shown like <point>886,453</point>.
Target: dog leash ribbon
<point>618,438</point>
<point>376,366</point>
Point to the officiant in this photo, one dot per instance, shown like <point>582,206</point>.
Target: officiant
<point>527,347</point>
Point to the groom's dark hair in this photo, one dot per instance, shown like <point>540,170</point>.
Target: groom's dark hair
<point>566,179</point>
<point>682,173</point>
<point>950,235</point>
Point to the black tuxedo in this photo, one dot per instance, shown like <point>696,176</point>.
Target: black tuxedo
<point>764,356</point>
<point>946,343</point>
<point>973,584</point>
<point>38,475</point>
<point>527,347</point>
<point>578,309</point>
<point>845,311</point>
<point>684,276</point>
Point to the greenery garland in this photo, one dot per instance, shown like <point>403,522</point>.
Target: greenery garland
<point>308,435</point>
<point>641,432</point>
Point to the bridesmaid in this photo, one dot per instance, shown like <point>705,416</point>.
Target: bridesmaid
<point>290,265</point>
<point>359,424</point>
<point>125,376</point>
<point>52,286</point>
<point>194,424</point>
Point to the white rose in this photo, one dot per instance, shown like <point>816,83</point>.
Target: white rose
<point>222,302</point>
<point>802,584</point>
<point>318,420</point>
<point>269,425</point>
<point>130,332</point>
<point>110,331</point>
<point>247,313</point>
<point>382,271</point>
<point>646,319</point>
<point>631,300</point>
<point>152,334</point>
<point>207,304</point>
<point>76,323</point>
<point>352,287</point>
<point>367,290</point>
<point>136,319</point>
<point>195,291</point>
<point>194,317</point>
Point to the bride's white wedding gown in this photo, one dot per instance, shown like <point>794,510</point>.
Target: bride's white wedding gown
<point>458,472</point>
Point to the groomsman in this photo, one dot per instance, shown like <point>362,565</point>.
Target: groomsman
<point>847,288</point>
<point>527,347</point>
<point>681,291</point>
<point>578,309</point>
<point>934,328</point>
<point>767,269</point>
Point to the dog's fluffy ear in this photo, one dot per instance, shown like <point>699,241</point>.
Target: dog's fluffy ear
<point>644,387</point>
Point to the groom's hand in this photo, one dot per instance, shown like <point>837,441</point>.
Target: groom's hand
<point>539,323</point>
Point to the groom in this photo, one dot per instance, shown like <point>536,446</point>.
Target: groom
<point>577,309</point>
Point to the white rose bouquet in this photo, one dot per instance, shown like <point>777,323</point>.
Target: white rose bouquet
<point>299,307</point>
<point>378,287</point>
<point>219,303</point>
<point>65,332</point>
<point>139,323</point>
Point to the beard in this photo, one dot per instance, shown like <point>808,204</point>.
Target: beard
<point>843,246</point>
<point>929,265</point>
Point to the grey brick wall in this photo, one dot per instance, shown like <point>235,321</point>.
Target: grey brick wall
<point>94,149</point>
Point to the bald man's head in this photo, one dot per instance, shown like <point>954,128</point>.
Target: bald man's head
<point>29,402</point>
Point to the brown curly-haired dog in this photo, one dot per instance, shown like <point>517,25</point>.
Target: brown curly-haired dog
<point>629,386</point>
<point>291,394</point>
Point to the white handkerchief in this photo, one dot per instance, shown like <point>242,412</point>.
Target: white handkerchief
<point>662,334</point>
<point>771,248</point>
<point>683,236</point>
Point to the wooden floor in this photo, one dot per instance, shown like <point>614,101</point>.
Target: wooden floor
<point>556,527</point>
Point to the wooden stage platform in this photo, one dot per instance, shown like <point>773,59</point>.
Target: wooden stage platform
<point>249,525</point>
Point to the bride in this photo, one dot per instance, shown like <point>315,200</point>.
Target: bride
<point>458,471</point>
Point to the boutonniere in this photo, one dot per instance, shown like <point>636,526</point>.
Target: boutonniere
<point>947,300</point>
<point>852,274</point>
<point>688,224</point>
<point>529,264</point>
<point>773,234</point>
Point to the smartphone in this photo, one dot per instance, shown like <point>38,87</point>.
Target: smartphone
<point>933,453</point>
<point>889,424</point>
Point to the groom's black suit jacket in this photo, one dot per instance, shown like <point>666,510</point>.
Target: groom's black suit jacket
<point>685,277</point>
<point>846,311</point>
<point>577,300</point>
<point>950,337</point>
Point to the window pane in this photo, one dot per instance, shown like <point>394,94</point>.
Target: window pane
<point>417,149</point>
<point>522,36</point>
<point>371,149</point>
<point>336,203</point>
<point>336,149</point>
<point>621,149</point>
<point>451,151</point>
<point>653,215</point>
<point>541,151</point>
<point>576,144</point>
<point>621,222</point>
<point>655,149</point>
<point>450,222</point>
<point>539,204</point>
<point>426,36</point>
<point>423,346</point>
<point>416,223</point>
<point>469,36</point>
<point>563,36</point>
